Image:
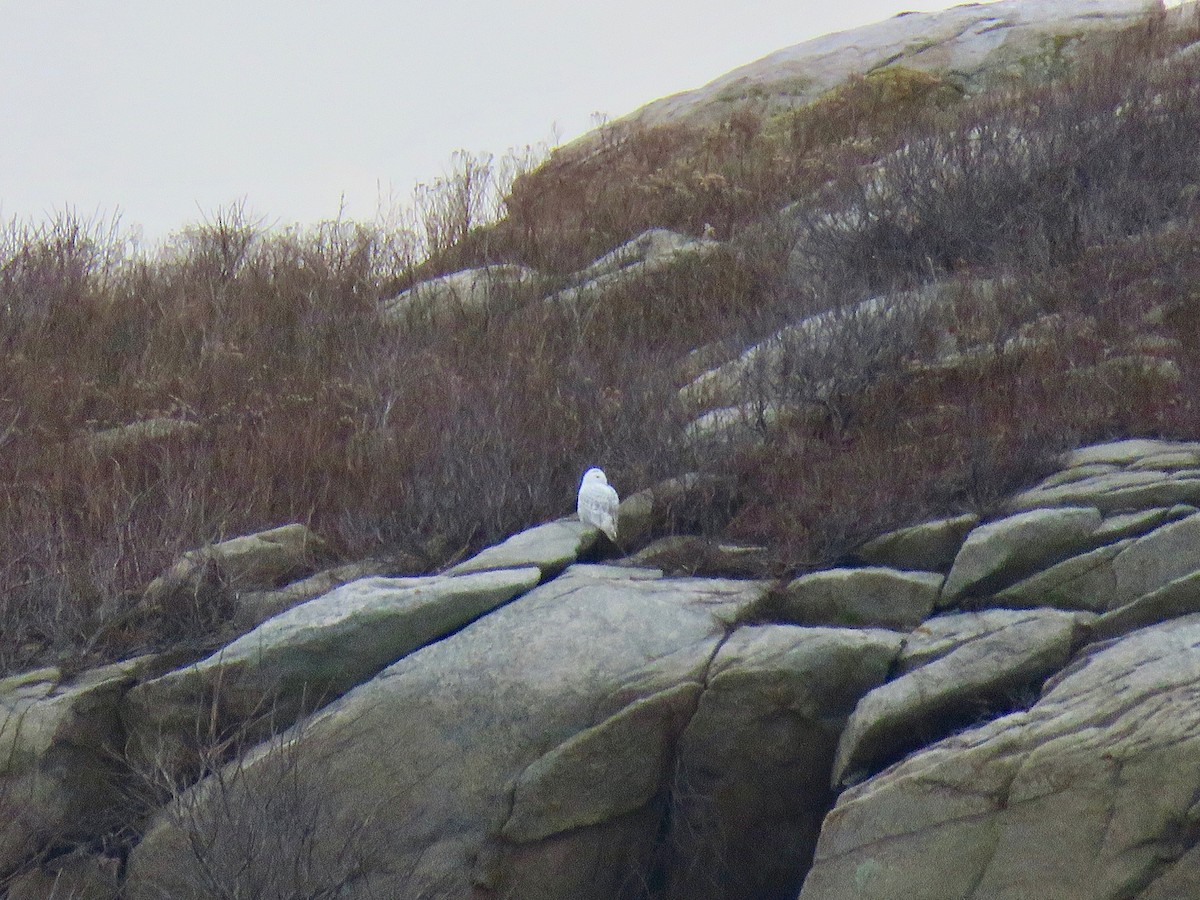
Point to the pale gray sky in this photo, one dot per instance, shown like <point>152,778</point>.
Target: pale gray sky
<point>164,111</point>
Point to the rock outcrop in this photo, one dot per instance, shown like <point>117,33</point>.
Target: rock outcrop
<point>211,577</point>
<point>1000,704</point>
<point>1015,694</point>
<point>1089,793</point>
<point>461,296</point>
<point>978,43</point>
<point>651,252</point>
<point>60,740</point>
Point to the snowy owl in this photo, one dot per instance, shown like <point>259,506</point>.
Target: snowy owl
<point>598,503</point>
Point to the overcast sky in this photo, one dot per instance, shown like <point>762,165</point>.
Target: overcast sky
<point>163,111</point>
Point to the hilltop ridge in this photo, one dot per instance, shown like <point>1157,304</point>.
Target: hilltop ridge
<point>974,43</point>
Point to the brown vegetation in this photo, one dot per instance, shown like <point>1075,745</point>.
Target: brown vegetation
<point>1075,200</point>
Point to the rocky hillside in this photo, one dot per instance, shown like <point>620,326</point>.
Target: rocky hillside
<point>888,342</point>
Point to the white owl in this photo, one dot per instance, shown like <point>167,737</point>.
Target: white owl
<point>598,502</point>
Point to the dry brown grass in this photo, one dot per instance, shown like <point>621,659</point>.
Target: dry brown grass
<point>308,407</point>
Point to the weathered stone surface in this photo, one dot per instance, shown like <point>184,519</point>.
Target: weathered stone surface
<point>1119,526</point>
<point>877,596</point>
<point>1070,584</point>
<point>447,300</point>
<point>309,655</point>
<point>159,430</point>
<point>976,43</point>
<point>1121,475</point>
<point>1116,491</point>
<point>692,555</point>
<point>251,562</point>
<point>942,634</point>
<point>59,740</point>
<point>1008,549</point>
<point>1175,599</point>
<point>603,772</point>
<point>1089,794</point>
<point>651,252</point>
<point>551,547</point>
<point>432,748</point>
<point>744,423</point>
<point>816,337</point>
<point>1115,575</point>
<point>928,547</point>
<point>255,607</point>
<point>750,792</point>
<point>1078,473</point>
<point>980,675</point>
<point>1133,453</point>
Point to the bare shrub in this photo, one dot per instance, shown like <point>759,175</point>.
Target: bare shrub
<point>1023,179</point>
<point>267,825</point>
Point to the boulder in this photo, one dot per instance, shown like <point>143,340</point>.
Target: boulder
<point>60,738</point>
<point>448,299</point>
<point>878,597</point>
<point>749,792</point>
<point>304,658</point>
<point>211,576</point>
<point>647,254</point>
<point>820,341</point>
<point>1006,550</point>
<point>1135,453</point>
<point>942,634</point>
<point>1112,576</point>
<point>996,671</point>
<point>1088,794</point>
<point>1070,584</point>
<point>1120,490</point>
<point>255,607</point>
<point>1175,599</point>
<point>745,423</point>
<point>681,503</point>
<point>928,547</point>
<point>436,751</point>
<point>159,430</point>
<point>550,547</point>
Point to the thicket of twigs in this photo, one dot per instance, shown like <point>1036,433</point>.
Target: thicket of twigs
<point>1060,210</point>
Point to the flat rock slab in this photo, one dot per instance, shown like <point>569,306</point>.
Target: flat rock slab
<point>446,300</point>
<point>928,547</point>
<point>875,597</point>
<point>59,740</point>
<point>551,547</point>
<point>1008,549</point>
<point>1121,490</point>
<point>647,254</point>
<point>255,607</point>
<point>1089,794</point>
<point>1112,576</point>
<point>934,700</point>
<point>314,652</point>
<point>257,561</point>
<point>1134,452</point>
<point>1131,475</point>
<point>1175,599</point>
<point>431,750</point>
<point>938,636</point>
